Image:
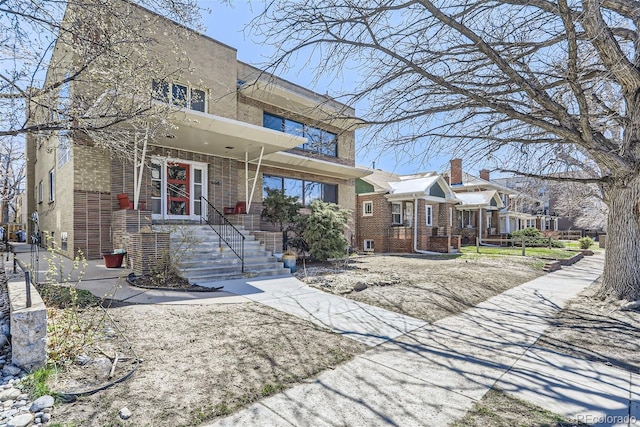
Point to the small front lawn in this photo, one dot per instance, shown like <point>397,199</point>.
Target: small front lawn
<point>517,251</point>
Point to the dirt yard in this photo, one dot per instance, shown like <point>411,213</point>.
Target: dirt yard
<point>425,287</point>
<point>201,362</point>
<point>198,362</point>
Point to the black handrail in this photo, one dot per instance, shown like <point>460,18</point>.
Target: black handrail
<point>227,232</point>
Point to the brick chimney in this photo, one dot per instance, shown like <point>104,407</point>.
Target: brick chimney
<point>484,174</point>
<point>456,172</point>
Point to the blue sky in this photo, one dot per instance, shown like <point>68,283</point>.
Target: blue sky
<point>226,23</point>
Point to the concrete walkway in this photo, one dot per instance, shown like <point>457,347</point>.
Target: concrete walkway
<point>432,374</point>
<point>416,373</point>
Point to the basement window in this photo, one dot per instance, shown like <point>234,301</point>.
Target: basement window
<point>368,245</point>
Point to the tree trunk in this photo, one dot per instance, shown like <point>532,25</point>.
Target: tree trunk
<point>621,278</point>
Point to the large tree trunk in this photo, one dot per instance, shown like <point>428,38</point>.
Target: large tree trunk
<point>621,277</point>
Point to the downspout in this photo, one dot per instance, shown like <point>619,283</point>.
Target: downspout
<point>415,231</point>
<point>480,226</point>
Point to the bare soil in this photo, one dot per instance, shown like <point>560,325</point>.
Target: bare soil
<point>497,409</point>
<point>197,363</point>
<point>202,362</point>
<point>425,287</point>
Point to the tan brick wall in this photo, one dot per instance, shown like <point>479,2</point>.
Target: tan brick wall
<point>148,251</point>
<point>197,60</point>
<point>55,216</point>
<point>92,169</point>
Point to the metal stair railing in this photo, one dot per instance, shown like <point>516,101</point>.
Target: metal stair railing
<point>226,232</point>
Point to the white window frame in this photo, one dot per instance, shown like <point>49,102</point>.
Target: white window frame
<point>190,88</point>
<point>163,162</point>
<point>397,214</point>
<point>369,245</point>
<point>367,208</point>
<point>64,148</point>
<point>428,211</point>
<point>52,185</point>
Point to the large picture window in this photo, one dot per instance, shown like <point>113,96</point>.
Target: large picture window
<point>318,140</point>
<point>305,191</point>
<point>180,94</point>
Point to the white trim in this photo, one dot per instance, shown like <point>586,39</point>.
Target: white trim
<point>428,213</point>
<point>368,245</point>
<point>364,208</point>
<point>396,214</point>
<point>163,161</point>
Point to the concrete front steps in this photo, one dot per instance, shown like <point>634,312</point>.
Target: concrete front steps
<point>203,261</point>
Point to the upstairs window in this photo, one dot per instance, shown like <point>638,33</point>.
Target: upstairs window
<point>64,148</point>
<point>52,186</point>
<point>180,94</point>
<point>318,140</point>
<point>305,191</point>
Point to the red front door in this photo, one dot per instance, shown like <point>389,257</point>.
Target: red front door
<point>178,199</point>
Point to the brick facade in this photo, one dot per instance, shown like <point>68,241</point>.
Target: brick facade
<point>399,238</point>
<point>148,251</point>
<point>86,206</point>
<point>92,223</point>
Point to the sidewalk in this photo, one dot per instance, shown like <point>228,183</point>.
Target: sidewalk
<point>416,373</point>
<point>432,374</point>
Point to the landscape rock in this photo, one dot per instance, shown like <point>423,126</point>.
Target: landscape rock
<point>11,370</point>
<point>125,413</point>
<point>360,287</point>
<point>41,403</point>
<point>21,420</point>
<point>9,394</point>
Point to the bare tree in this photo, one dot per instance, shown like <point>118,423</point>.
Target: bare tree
<point>84,67</point>
<point>536,87</point>
<point>582,203</point>
<point>12,174</point>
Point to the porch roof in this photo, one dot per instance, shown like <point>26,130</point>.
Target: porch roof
<point>298,163</point>
<point>480,200</point>
<point>430,186</point>
<point>326,110</point>
<point>219,136</point>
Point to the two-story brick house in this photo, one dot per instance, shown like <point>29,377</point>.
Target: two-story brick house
<point>405,213</point>
<point>238,131</point>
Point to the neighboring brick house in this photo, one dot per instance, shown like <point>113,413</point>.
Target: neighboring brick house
<point>489,208</point>
<point>246,131</point>
<point>404,214</point>
<point>538,201</point>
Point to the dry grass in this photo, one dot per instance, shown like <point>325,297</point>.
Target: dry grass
<point>201,362</point>
<point>423,287</point>
<point>497,409</point>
